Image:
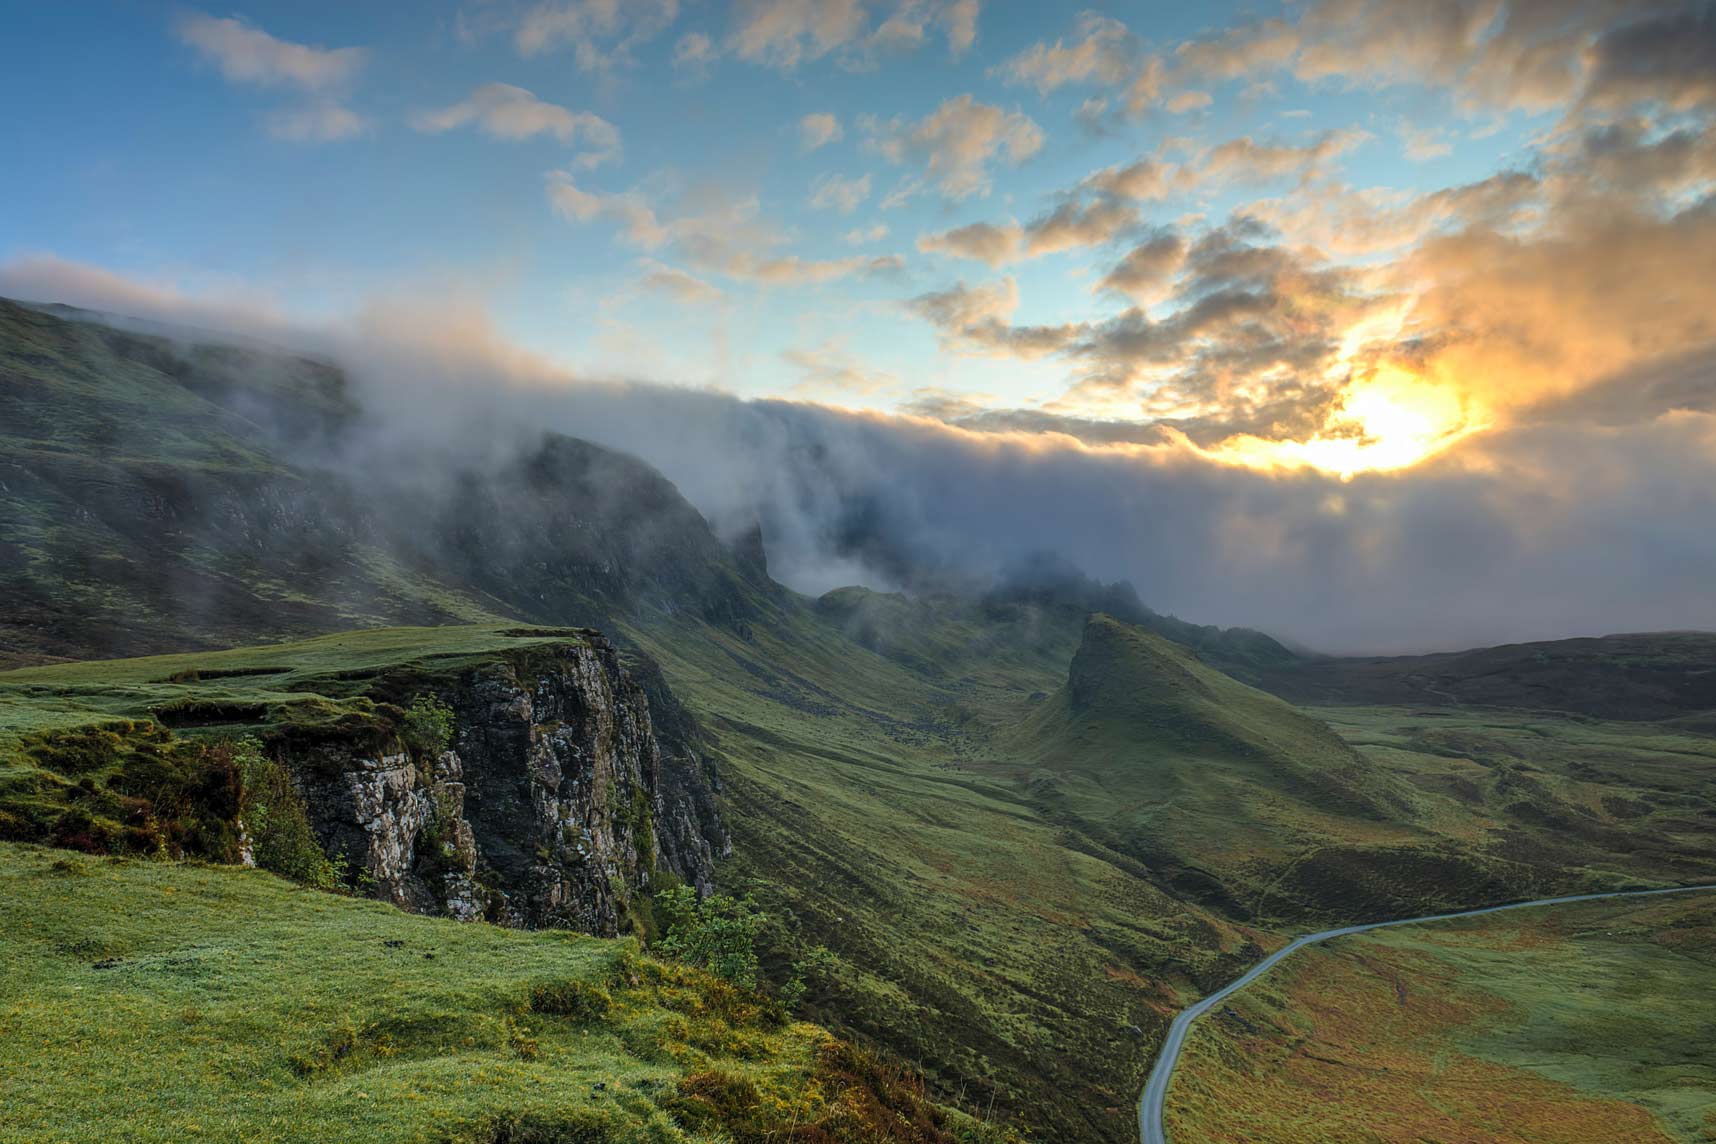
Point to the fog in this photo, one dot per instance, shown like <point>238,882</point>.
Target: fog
<point>1558,526</point>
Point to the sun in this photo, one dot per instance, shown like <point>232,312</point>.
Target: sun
<point>1388,420</point>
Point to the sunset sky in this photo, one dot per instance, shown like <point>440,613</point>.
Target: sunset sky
<point>1459,241</point>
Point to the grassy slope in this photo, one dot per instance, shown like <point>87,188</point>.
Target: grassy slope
<point>154,1002</point>
<point>1656,675</point>
<point>1593,1022</point>
<point>1006,956</point>
<point>1187,770</point>
<point>1244,802</point>
<point>1602,800</point>
<point>977,883</point>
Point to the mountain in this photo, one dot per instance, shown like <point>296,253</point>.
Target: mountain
<point>1024,836</point>
<point>156,495</point>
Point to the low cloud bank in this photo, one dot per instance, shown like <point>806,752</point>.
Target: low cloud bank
<point>1577,522</point>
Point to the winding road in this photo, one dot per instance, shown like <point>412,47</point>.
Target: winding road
<point>1155,1097</point>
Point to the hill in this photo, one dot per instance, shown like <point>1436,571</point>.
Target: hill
<point>1647,676</point>
<point>263,1011</point>
<point>1231,797</point>
<point>157,495</point>
<point>1026,840</point>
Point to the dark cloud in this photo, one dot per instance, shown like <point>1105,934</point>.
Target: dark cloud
<point>1668,57</point>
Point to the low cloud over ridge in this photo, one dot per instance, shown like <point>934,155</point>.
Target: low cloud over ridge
<point>1497,539</point>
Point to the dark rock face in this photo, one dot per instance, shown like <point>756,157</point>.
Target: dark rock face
<point>555,806</point>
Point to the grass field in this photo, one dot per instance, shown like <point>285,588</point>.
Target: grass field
<point>1563,1025</point>
<point>1001,875</point>
<point>144,1001</point>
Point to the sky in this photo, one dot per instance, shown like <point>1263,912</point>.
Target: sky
<point>1432,281</point>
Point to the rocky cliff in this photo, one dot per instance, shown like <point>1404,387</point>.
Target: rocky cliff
<point>555,804</point>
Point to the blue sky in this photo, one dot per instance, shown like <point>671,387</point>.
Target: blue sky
<point>143,157</point>
<point>651,208</point>
<point>1339,317</point>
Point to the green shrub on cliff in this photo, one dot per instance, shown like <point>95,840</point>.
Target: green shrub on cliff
<point>278,824</point>
<point>428,726</point>
<point>717,933</point>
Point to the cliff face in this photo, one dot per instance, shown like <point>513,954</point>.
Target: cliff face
<point>554,806</point>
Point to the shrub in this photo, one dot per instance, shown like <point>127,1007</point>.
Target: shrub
<point>818,964</point>
<point>281,840</point>
<point>717,933</point>
<point>428,726</point>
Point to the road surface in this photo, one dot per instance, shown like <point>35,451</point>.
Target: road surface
<point>1155,1096</point>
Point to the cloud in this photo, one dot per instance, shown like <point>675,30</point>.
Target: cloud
<point>245,53</point>
<point>818,130</point>
<point>956,143</point>
<point>677,284</point>
<point>1188,101</point>
<point>218,305</point>
<point>978,319</point>
<point>1146,274</point>
<point>1340,220</point>
<point>835,192</point>
<point>960,20</point>
<point>1667,57</point>
<point>829,370</point>
<point>694,50</point>
<point>863,236</point>
<point>1532,55</point>
<point>727,238</point>
<point>507,112</point>
<point>978,241</point>
<point>1423,144</point>
<point>1560,518</point>
<point>784,33</point>
<point>792,270</point>
<point>603,34</point>
<point>634,217</point>
<point>1071,225</point>
<point>1142,180</point>
<point>321,122</point>
<point>1245,160</point>
<point>1102,51</point>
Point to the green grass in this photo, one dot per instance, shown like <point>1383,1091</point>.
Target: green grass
<point>144,1001</point>
<point>1549,1026</point>
<point>999,869</point>
<point>1024,967</point>
<point>162,1002</point>
<point>329,667</point>
<point>900,802</point>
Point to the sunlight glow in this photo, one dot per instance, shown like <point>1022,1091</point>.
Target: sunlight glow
<point>1389,420</point>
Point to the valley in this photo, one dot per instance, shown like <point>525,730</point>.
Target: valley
<point>1552,1025</point>
<point>1015,827</point>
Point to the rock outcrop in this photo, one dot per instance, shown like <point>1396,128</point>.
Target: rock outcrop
<point>555,805</point>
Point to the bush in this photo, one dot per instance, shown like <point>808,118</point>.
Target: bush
<point>818,964</point>
<point>281,840</point>
<point>428,726</point>
<point>717,933</point>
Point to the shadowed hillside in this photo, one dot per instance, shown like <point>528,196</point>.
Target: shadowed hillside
<point>156,496</point>
<point>1651,675</point>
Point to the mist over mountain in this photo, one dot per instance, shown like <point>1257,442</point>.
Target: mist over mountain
<point>1380,562</point>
